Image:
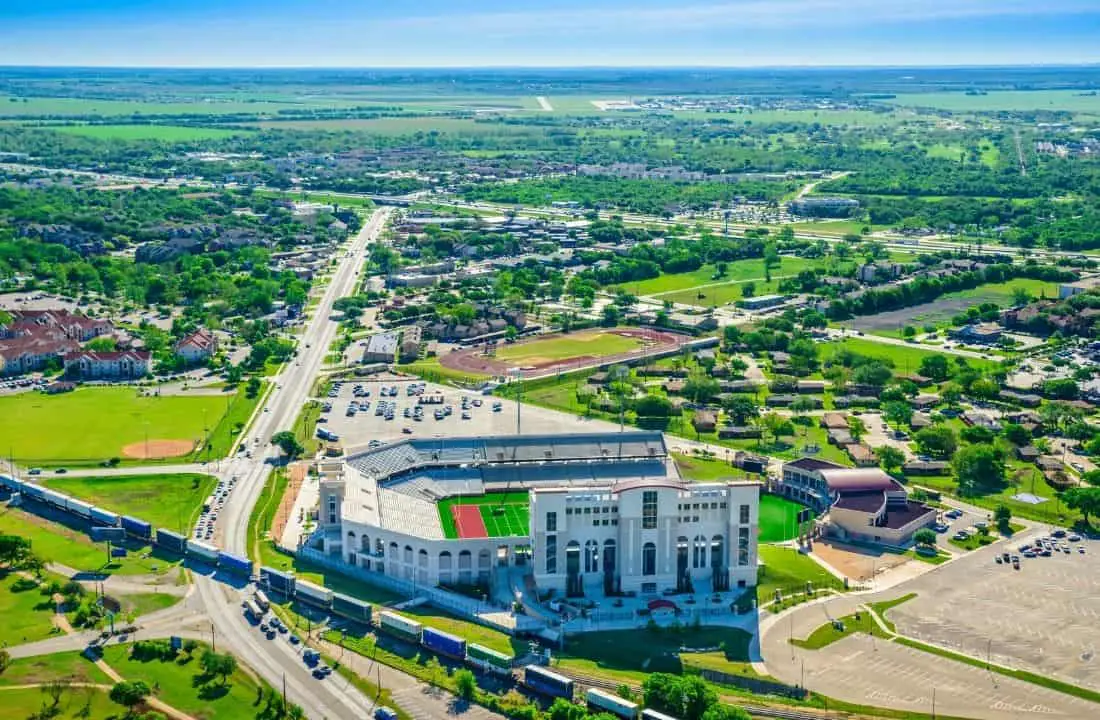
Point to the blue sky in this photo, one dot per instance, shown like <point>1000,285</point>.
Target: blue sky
<point>433,33</point>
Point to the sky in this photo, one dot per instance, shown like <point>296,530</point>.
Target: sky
<point>548,33</point>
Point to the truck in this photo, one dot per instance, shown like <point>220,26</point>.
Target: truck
<point>261,599</point>
<point>488,660</point>
<point>400,626</point>
<point>547,683</point>
<point>443,643</point>
<point>648,714</point>
<point>602,701</point>
<point>137,528</point>
<point>234,564</point>
<point>253,611</point>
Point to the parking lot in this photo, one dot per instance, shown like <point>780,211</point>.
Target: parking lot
<point>478,418</point>
<point>1044,617</point>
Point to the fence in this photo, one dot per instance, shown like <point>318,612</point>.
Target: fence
<point>757,686</point>
<point>455,604</point>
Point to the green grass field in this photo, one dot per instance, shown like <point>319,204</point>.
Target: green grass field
<point>1001,293</point>
<point>165,133</point>
<point>171,501</point>
<point>25,610</point>
<point>515,519</point>
<point>752,269</point>
<point>778,518</point>
<point>63,106</point>
<point>1023,100</point>
<point>592,344</point>
<point>716,295</point>
<point>906,359</point>
<point>394,126</point>
<point>97,423</point>
<point>788,570</point>
<point>58,543</point>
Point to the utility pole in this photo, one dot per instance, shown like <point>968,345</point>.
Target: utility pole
<point>213,644</point>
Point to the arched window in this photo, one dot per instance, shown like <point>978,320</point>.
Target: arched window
<point>422,558</point>
<point>379,547</point>
<point>393,551</point>
<point>484,559</point>
<point>408,554</point>
<point>609,556</point>
<point>717,552</point>
<point>464,560</point>
<point>649,559</point>
<point>351,538</point>
<point>444,560</point>
<point>364,544</point>
<point>592,556</point>
<point>699,552</point>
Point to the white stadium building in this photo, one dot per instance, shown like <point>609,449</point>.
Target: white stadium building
<point>608,513</point>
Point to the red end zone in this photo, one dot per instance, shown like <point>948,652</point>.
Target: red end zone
<point>468,521</point>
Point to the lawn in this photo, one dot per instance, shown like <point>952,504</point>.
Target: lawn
<point>632,654</point>
<point>97,423</point>
<point>778,519</point>
<point>26,611</point>
<point>718,295</point>
<point>788,570</point>
<point>702,469</point>
<point>35,106</point>
<point>55,542</point>
<point>738,270</point>
<point>591,344</point>
<point>181,688</point>
<point>905,358</point>
<point>1022,100</point>
<point>87,703</point>
<point>829,633</point>
<point>164,133</point>
<point>513,521</point>
<point>1022,478</point>
<point>1002,293</point>
<point>172,502</point>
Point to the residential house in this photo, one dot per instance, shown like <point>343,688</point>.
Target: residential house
<point>197,347</point>
<point>1028,453</point>
<point>926,467</point>
<point>704,421</point>
<point>810,386</point>
<point>925,402</point>
<point>739,432</point>
<point>834,421</point>
<point>861,455</point>
<point>115,365</point>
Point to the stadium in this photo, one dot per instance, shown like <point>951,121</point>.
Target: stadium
<point>582,514</point>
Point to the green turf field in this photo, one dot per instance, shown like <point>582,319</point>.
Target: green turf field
<point>514,520</point>
<point>778,518</point>
<point>166,133</point>
<point>560,347</point>
<point>171,501</point>
<point>93,424</point>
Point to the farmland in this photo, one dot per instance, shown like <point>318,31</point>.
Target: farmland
<point>1023,100</point>
<point>165,133</point>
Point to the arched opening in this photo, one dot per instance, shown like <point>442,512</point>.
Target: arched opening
<point>699,552</point>
<point>681,563</point>
<point>592,556</point>
<point>422,558</point>
<point>408,557</point>
<point>720,580</point>
<point>364,544</point>
<point>393,551</point>
<point>445,575</point>
<point>573,568</point>
<point>350,545</point>
<point>610,576</point>
<point>465,567</point>
<point>649,558</point>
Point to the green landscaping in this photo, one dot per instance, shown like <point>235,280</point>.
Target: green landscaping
<point>1003,293</point>
<point>164,133</point>
<point>95,424</point>
<point>54,542</point>
<point>1003,100</point>
<point>737,270</point>
<point>787,570</point>
<point>904,358</point>
<point>505,514</point>
<point>43,668</point>
<point>778,518</point>
<point>25,610</point>
<point>171,501</point>
<point>700,469</point>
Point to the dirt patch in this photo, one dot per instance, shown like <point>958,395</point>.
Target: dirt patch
<point>296,475</point>
<point>158,449</point>
<point>475,361</point>
<point>856,562</point>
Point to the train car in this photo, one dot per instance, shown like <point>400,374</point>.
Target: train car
<point>548,683</point>
<point>443,643</point>
<point>261,599</point>
<point>654,715</point>
<point>277,581</point>
<point>201,551</point>
<point>104,517</point>
<point>79,507</point>
<point>488,660</point>
<point>312,594</point>
<point>400,626</point>
<point>602,701</point>
<point>10,483</point>
<point>170,541</point>
<point>33,491</point>
<point>137,528</point>
<point>54,498</point>
<point>234,564</point>
<point>351,608</point>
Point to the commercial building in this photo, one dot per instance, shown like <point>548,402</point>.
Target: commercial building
<point>381,348</point>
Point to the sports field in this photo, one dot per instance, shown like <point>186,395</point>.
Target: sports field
<point>598,344</point>
<point>778,519</point>
<point>93,424</point>
<point>501,515</point>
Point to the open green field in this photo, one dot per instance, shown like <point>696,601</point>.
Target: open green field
<point>93,424</point>
<point>788,570</point>
<point>182,687</point>
<point>54,542</point>
<point>166,133</point>
<point>832,227</point>
<point>1001,293</point>
<point>905,359</point>
<point>19,701</point>
<point>703,469</point>
<point>716,295</point>
<point>25,610</point>
<point>632,654</point>
<point>778,518</point>
<point>171,501</point>
<point>513,518</point>
<point>40,106</point>
<point>583,344</point>
<point>864,118</point>
<point>1021,100</point>
<point>404,126</point>
<point>751,269</point>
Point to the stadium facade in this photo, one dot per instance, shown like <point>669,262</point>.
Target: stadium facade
<point>609,512</point>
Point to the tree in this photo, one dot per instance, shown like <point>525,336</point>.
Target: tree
<point>1085,500</point>
<point>220,664</point>
<point>925,537</point>
<point>1061,389</point>
<point>898,413</point>
<point>1003,516</point>
<point>5,660</point>
<point>288,443</point>
<point>984,389</point>
<point>1017,434</point>
<point>890,457</point>
<point>776,425</point>
<point>725,712</point>
<point>934,367</point>
<point>856,427</point>
<point>129,694</point>
<point>802,405</point>
<point>951,394</point>
<point>653,406</point>
<point>938,440</point>
<point>741,409</point>
<point>976,434</point>
<point>872,373</point>
<point>979,468</point>
<point>465,684</point>
<point>1092,477</point>
<point>701,388</point>
<point>14,550</point>
<point>253,387</point>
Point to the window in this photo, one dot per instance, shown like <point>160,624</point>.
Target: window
<point>723,506</point>
<point>604,522</point>
<point>568,511</point>
<point>649,558</point>
<point>743,546</point>
<point>591,556</point>
<point>649,510</point>
<point>332,509</point>
<point>614,521</point>
<point>551,554</point>
<point>606,510</point>
<point>699,552</point>
<point>588,511</point>
<point>551,522</point>
<point>596,522</point>
<point>744,514</point>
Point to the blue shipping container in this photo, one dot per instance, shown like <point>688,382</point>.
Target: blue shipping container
<point>171,541</point>
<point>118,552</point>
<point>137,528</point>
<point>443,643</point>
<point>106,517</point>
<point>548,683</point>
<point>277,581</point>
<point>235,564</point>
